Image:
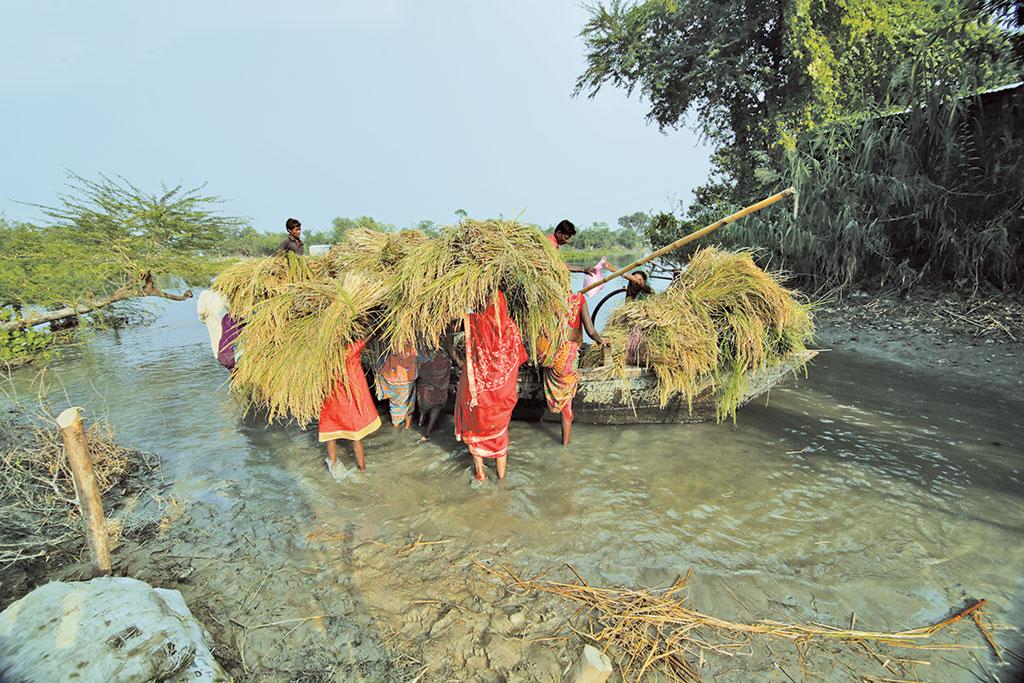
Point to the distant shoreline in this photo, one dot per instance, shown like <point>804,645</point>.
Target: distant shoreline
<point>591,256</point>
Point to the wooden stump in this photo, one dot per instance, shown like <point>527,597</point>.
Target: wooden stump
<point>593,666</point>
<point>89,501</point>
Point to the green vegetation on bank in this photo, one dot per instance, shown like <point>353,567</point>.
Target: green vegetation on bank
<point>628,236</point>
<point>873,109</point>
<point>105,243</point>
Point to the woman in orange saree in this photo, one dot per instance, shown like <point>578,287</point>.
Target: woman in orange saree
<point>348,413</point>
<point>561,377</point>
<point>395,380</point>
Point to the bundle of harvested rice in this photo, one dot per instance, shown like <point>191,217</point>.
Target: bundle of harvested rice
<point>372,251</point>
<point>722,319</point>
<point>251,281</point>
<point>440,279</point>
<point>294,343</point>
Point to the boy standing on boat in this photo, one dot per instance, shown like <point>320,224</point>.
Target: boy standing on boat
<point>561,236</point>
<point>293,242</point>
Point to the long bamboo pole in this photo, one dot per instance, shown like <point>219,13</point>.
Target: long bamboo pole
<point>697,234</point>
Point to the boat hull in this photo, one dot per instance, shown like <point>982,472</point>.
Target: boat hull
<point>603,400</point>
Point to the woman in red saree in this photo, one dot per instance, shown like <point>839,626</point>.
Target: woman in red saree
<point>349,412</point>
<point>487,390</point>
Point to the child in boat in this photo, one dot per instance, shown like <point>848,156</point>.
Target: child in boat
<point>435,375</point>
<point>637,289</point>
<point>348,413</point>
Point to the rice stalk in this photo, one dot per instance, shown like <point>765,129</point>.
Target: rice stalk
<point>439,280</point>
<point>722,319</point>
<point>250,281</point>
<point>294,343</point>
<point>657,631</point>
<point>372,251</point>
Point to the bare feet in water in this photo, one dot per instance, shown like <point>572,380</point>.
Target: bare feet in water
<point>335,469</point>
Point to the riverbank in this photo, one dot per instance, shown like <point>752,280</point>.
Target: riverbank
<point>979,338</point>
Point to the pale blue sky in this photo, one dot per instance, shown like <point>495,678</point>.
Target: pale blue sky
<point>397,109</point>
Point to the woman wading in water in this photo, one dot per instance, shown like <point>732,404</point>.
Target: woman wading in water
<point>561,378</point>
<point>348,413</point>
<point>435,374</point>
<point>487,390</point>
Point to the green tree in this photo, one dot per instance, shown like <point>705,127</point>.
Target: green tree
<point>428,228</point>
<point>245,240</point>
<point>633,229</point>
<point>753,74</point>
<point>105,241</point>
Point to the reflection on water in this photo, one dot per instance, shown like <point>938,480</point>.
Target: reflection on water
<point>865,488</point>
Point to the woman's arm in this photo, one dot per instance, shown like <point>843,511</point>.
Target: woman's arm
<point>639,282</point>
<point>588,324</point>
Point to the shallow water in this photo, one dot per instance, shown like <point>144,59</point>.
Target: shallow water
<point>866,488</point>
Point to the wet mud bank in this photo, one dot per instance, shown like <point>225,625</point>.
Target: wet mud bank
<point>976,338</point>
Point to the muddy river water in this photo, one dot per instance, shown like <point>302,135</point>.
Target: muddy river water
<point>866,488</point>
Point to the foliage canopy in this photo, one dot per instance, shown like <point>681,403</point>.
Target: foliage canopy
<point>102,236</point>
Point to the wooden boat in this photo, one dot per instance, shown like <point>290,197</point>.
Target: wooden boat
<point>600,400</point>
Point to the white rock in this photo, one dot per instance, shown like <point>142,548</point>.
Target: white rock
<point>107,629</point>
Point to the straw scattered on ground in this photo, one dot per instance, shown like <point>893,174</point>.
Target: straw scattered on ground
<point>37,493</point>
<point>722,319</point>
<point>649,632</point>
<point>462,270</point>
<point>294,343</point>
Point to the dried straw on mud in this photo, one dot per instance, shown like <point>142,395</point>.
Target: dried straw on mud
<point>37,493</point>
<point>723,318</point>
<point>462,270</point>
<point>651,632</point>
<point>293,343</point>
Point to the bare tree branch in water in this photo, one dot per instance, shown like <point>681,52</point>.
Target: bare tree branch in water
<point>142,288</point>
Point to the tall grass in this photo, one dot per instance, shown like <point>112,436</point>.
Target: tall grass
<point>462,270</point>
<point>294,343</point>
<point>930,195</point>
